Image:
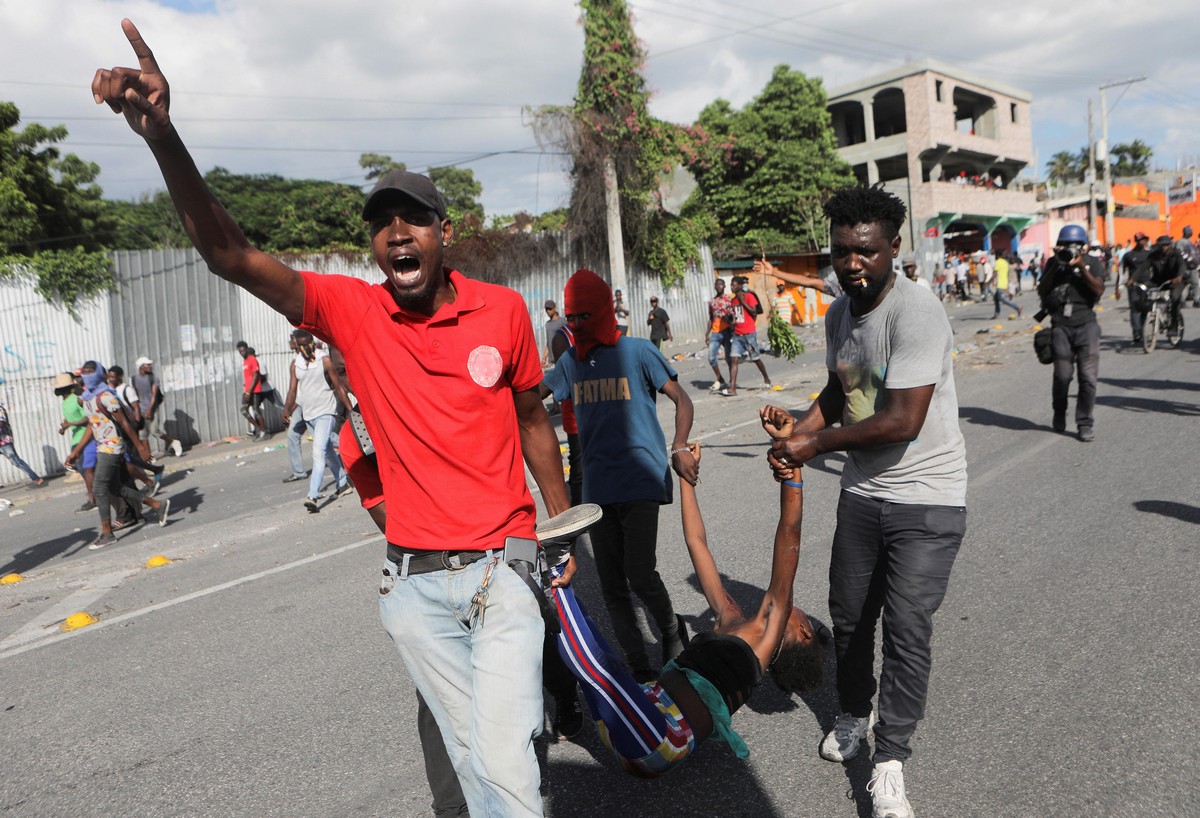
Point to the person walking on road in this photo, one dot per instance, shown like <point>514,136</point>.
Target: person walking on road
<point>1000,294</point>
<point>150,400</point>
<point>660,324</point>
<point>426,348</point>
<point>315,389</point>
<point>75,421</point>
<point>746,309</point>
<point>9,451</point>
<point>110,428</point>
<point>1071,285</point>
<point>719,334</point>
<point>255,391</point>
<point>902,511</point>
<point>612,381</point>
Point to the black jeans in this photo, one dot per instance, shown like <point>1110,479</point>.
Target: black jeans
<point>1076,347</point>
<point>625,544</point>
<point>894,559</point>
<point>110,481</point>
<point>448,798</point>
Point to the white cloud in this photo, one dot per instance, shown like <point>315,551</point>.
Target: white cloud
<point>244,74</point>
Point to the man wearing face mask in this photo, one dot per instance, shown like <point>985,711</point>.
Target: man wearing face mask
<point>1070,287</point>
<point>612,381</point>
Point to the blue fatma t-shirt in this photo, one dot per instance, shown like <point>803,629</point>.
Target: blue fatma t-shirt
<point>614,389</point>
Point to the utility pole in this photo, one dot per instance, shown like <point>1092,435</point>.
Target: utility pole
<point>612,212</point>
<point>1110,208</point>
<point>1090,176</point>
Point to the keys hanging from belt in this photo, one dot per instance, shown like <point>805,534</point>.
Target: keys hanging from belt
<point>478,606</point>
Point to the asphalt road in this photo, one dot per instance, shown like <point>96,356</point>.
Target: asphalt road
<point>250,675</point>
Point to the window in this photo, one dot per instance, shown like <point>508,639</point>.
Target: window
<point>1012,111</point>
<point>937,89</point>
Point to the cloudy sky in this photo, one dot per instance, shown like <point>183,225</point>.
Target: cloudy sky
<point>302,88</point>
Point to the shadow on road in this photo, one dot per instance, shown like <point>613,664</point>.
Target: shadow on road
<point>29,558</point>
<point>1167,508</point>
<point>987,417</point>
<point>1135,384</point>
<point>1166,407</point>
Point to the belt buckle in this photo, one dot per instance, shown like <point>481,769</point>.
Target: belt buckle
<point>449,562</point>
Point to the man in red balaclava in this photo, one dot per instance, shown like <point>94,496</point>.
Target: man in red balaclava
<point>613,381</point>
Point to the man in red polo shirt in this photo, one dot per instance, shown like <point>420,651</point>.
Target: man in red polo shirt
<point>426,349</point>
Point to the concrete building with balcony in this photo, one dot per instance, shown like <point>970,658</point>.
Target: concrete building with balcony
<point>950,144</point>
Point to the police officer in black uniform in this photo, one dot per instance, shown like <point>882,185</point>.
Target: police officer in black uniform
<point>1070,287</point>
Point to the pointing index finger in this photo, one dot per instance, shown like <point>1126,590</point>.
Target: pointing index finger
<point>145,56</point>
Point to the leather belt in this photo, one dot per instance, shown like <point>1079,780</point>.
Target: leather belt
<point>422,562</point>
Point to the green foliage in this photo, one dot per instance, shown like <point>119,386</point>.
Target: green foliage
<point>1063,168</point>
<point>53,222</point>
<point>63,277</point>
<point>281,215</point>
<point>459,189</point>
<point>765,170</point>
<point>47,200</point>
<point>782,340</point>
<point>377,164</point>
<point>1132,158</point>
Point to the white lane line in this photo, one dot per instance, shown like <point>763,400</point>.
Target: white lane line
<point>169,603</point>
<point>79,601</point>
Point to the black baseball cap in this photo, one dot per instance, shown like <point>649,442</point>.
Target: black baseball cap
<point>406,183</point>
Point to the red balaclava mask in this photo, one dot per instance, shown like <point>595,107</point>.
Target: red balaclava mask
<point>587,292</point>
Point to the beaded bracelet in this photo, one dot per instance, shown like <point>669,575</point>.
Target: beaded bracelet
<point>674,452</point>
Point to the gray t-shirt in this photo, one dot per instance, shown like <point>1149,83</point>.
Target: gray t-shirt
<point>903,343</point>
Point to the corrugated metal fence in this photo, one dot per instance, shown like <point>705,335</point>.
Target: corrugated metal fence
<point>170,308</point>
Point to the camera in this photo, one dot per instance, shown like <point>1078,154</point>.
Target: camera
<point>1066,255</point>
<point>1041,314</point>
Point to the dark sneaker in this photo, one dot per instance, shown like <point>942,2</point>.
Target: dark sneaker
<point>1086,434</point>
<point>568,718</point>
<point>164,508</point>
<point>344,490</point>
<point>101,541</point>
<point>89,505</point>
<point>295,478</point>
<point>311,505</point>
<point>845,739</point>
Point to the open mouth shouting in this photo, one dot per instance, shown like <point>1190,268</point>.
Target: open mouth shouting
<point>406,269</point>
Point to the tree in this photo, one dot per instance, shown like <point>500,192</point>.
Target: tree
<point>377,164</point>
<point>765,170</point>
<point>53,221</point>
<point>459,189</point>
<point>609,131</point>
<point>1133,158</point>
<point>281,215</point>
<point>1063,168</point>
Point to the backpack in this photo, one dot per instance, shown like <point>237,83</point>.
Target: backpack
<point>758,310</point>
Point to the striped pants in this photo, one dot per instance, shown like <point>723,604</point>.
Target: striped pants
<point>641,724</point>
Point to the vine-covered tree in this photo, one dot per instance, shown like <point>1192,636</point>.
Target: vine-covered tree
<point>764,171</point>
<point>459,189</point>
<point>610,122</point>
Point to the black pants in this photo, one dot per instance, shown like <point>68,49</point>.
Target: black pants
<point>448,798</point>
<point>625,544</point>
<point>893,559</point>
<point>112,480</point>
<point>1076,347</point>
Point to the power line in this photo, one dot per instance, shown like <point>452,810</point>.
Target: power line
<point>307,120</point>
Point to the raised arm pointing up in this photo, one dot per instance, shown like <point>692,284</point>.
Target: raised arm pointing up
<point>143,96</point>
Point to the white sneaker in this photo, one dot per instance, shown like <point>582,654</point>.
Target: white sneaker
<point>177,448</point>
<point>844,740</point>
<point>887,791</point>
<point>716,387</point>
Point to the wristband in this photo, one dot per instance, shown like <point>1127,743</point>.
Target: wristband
<point>674,452</point>
<point>794,484</point>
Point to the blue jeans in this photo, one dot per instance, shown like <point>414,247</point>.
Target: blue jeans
<point>10,452</point>
<point>716,340</point>
<point>322,452</point>
<point>482,679</point>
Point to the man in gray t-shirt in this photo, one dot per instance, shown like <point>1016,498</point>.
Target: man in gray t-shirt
<point>902,515</point>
